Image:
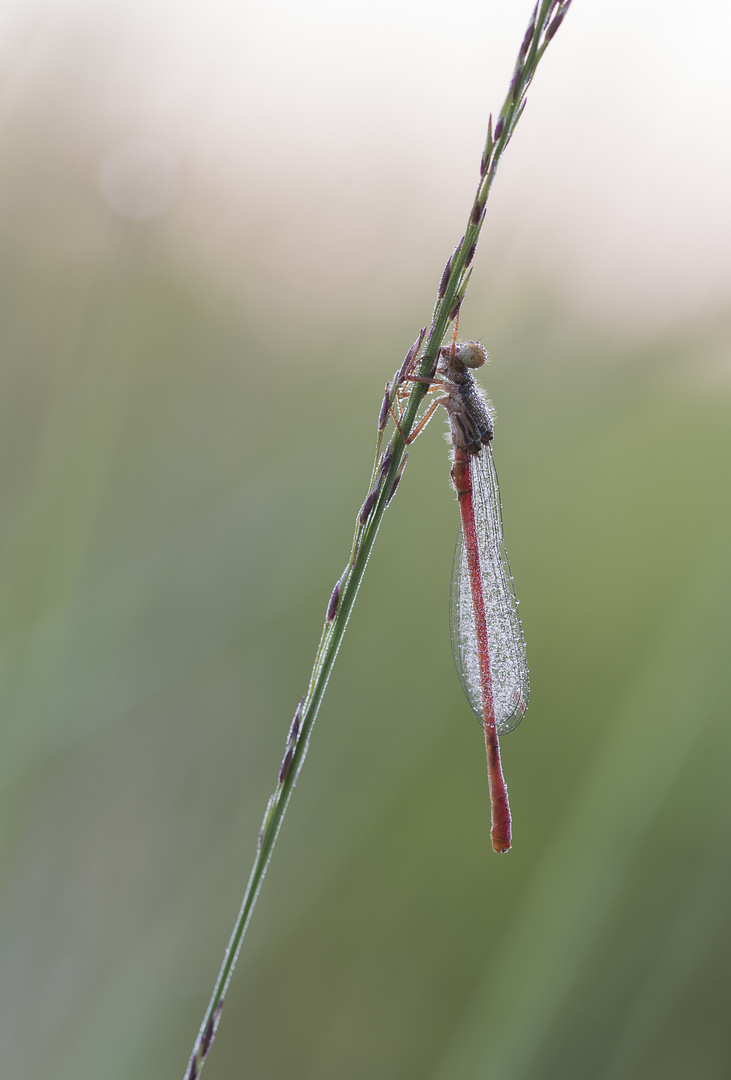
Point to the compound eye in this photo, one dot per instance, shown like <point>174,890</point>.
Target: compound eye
<point>471,354</point>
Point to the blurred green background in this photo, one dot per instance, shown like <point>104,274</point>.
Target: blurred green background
<point>188,412</point>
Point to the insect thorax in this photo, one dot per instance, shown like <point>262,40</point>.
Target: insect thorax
<point>469,416</point>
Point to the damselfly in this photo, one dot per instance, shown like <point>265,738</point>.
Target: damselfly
<point>487,638</point>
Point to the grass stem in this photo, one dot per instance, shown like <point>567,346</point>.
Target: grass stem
<point>387,471</point>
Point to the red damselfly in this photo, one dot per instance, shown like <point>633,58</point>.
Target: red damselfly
<point>487,637</point>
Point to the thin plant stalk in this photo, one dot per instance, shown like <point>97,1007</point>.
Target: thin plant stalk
<point>387,471</point>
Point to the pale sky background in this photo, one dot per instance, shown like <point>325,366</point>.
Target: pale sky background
<point>366,121</point>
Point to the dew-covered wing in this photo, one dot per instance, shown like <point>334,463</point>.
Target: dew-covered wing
<point>508,666</point>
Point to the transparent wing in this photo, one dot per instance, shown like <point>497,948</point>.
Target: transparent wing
<point>506,644</point>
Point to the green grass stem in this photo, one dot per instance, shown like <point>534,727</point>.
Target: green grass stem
<point>387,470</point>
